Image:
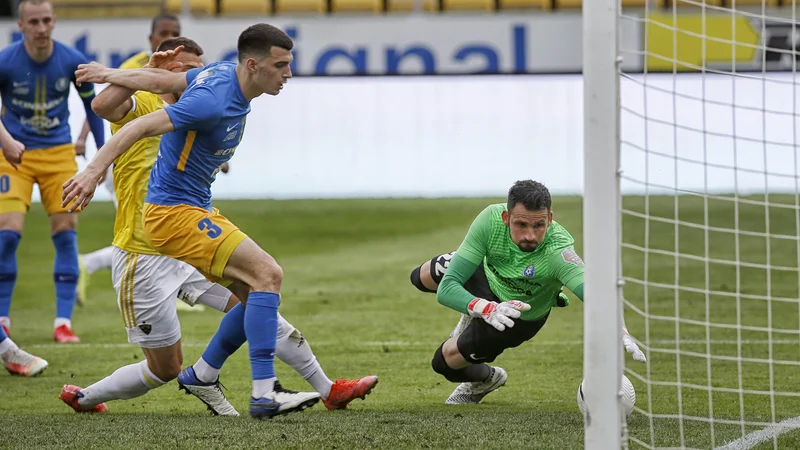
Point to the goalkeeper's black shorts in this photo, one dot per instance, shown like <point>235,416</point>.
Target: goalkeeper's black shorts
<point>481,342</point>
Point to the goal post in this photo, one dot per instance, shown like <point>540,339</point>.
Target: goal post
<point>602,351</point>
<point>692,222</point>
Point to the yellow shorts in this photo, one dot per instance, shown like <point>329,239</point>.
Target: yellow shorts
<point>50,168</point>
<point>202,239</point>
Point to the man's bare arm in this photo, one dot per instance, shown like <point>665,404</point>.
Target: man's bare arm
<point>113,103</point>
<point>81,187</point>
<point>158,81</point>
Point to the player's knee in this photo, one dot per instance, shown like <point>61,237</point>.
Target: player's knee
<point>440,366</point>
<point>417,276</point>
<point>63,222</point>
<point>269,276</point>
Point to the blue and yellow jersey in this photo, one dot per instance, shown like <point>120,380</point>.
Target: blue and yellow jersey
<point>35,95</point>
<point>209,121</point>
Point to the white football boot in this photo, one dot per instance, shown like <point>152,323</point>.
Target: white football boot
<point>473,392</point>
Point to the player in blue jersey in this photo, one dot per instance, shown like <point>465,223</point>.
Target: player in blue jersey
<point>203,130</point>
<point>35,78</point>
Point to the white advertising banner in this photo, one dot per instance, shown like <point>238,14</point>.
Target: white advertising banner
<point>474,136</point>
<point>525,43</point>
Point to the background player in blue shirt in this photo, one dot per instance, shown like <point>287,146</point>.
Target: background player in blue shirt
<point>35,78</point>
<point>203,130</point>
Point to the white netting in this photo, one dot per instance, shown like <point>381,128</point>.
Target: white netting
<point>711,219</point>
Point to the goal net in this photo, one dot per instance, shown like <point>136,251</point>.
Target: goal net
<point>709,222</point>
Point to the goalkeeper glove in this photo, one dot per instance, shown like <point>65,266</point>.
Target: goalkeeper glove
<point>497,315</point>
<point>630,346</point>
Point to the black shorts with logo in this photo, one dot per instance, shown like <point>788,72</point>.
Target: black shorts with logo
<point>481,342</point>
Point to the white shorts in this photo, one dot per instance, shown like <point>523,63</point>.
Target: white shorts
<point>147,287</point>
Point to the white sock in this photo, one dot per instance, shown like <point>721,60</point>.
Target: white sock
<point>296,353</point>
<point>126,382</point>
<point>204,372</point>
<point>100,259</point>
<point>62,321</point>
<point>263,387</point>
<point>6,345</point>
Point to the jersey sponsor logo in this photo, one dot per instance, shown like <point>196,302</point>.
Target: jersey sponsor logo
<point>62,84</point>
<point>40,123</point>
<point>37,105</point>
<point>231,136</point>
<point>225,151</point>
<point>571,257</point>
<point>529,272</point>
<point>20,87</point>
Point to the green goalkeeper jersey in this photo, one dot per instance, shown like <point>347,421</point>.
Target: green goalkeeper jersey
<point>532,277</point>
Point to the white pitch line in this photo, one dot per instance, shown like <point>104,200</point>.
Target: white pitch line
<point>433,342</point>
<point>751,440</point>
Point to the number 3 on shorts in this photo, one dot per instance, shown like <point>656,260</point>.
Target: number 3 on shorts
<point>213,230</point>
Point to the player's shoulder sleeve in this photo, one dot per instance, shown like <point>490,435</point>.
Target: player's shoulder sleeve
<point>216,72</point>
<point>565,264</point>
<point>200,106</point>
<point>143,103</point>
<point>476,243</point>
<point>75,58</point>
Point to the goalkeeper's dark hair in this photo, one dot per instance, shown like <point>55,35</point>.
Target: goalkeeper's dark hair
<point>532,194</point>
<point>160,17</point>
<point>189,45</point>
<point>257,41</point>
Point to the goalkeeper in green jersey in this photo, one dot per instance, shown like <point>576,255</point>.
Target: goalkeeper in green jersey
<point>508,272</point>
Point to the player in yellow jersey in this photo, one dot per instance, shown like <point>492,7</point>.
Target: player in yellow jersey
<point>147,283</point>
<point>162,27</point>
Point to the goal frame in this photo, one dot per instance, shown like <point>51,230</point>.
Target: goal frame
<point>602,320</point>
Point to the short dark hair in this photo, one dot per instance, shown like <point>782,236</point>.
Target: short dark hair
<point>257,41</point>
<point>532,194</point>
<point>160,17</point>
<point>22,4</point>
<point>188,45</point>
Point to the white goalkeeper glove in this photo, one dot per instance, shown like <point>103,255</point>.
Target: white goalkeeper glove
<point>497,315</point>
<point>630,346</point>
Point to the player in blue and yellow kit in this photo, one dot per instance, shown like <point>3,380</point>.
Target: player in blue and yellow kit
<point>201,131</point>
<point>35,78</point>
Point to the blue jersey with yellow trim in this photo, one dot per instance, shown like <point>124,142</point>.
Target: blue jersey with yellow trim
<point>209,122</point>
<point>35,94</point>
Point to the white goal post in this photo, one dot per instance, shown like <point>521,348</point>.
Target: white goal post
<point>602,351</point>
<point>692,222</point>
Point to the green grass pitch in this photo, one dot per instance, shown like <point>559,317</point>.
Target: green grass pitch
<point>346,287</point>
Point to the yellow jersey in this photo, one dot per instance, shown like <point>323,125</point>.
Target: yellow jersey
<point>136,61</point>
<point>131,176</point>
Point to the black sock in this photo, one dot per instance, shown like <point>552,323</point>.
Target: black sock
<point>475,372</point>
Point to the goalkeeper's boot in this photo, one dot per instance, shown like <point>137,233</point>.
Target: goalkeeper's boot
<point>19,362</point>
<point>474,392</point>
<point>281,401</point>
<point>208,393</point>
<point>462,325</point>
<point>83,282</point>
<point>72,394</point>
<point>345,391</point>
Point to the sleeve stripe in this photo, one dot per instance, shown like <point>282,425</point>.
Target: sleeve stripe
<point>86,93</point>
